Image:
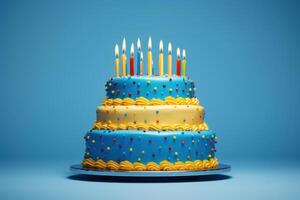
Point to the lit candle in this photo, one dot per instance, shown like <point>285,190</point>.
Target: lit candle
<point>117,60</point>
<point>138,67</point>
<point>170,59</point>
<point>123,58</point>
<point>183,63</point>
<point>161,59</point>
<point>132,60</point>
<point>141,63</point>
<point>178,63</point>
<point>150,57</point>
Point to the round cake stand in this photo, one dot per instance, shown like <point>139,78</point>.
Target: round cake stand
<point>79,169</point>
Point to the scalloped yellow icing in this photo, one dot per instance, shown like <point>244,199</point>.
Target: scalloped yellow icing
<point>151,166</point>
<point>153,127</point>
<point>142,101</point>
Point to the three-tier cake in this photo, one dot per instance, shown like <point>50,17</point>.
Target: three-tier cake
<point>150,123</point>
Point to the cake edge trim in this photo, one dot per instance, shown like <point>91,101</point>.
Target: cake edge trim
<point>150,166</point>
<point>153,127</point>
<point>142,101</point>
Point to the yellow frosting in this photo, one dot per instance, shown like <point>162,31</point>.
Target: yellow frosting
<point>162,117</point>
<point>151,166</point>
<point>152,127</point>
<point>126,166</point>
<point>112,165</point>
<point>142,101</point>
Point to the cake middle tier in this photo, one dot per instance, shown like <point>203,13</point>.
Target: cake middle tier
<point>164,117</point>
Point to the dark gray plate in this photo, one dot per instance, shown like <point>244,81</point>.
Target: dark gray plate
<point>78,169</point>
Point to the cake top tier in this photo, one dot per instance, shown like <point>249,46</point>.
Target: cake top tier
<point>150,87</point>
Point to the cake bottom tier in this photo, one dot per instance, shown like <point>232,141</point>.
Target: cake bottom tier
<point>134,150</point>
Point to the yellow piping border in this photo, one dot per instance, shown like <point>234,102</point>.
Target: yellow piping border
<point>153,127</point>
<point>142,101</point>
<point>151,166</point>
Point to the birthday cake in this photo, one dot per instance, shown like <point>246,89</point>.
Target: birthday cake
<point>150,123</point>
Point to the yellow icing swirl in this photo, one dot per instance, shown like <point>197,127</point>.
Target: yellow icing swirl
<point>100,164</point>
<point>151,166</point>
<point>142,101</point>
<point>112,165</point>
<point>139,166</point>
<point>152,127</point>
<point>126,166</point>
<point>180,166</point>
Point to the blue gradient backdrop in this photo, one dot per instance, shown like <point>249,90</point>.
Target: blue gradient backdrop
<point>55,57</point>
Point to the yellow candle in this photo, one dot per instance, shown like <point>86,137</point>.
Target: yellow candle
<point>123,58</point>
<point>183,63</point>
<point>149,57</point>
<point>117,60</point>
<point>169,59</point>
<point>141,64</point>
<point>123,65</point>
<point>161,59</point>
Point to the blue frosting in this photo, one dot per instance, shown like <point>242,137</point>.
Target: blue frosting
<point>150,87</point>
<point>149,146</point>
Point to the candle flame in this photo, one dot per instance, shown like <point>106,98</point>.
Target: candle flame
<point>178,53</point>
<point>149,44</point>
<point>124,45</point>
<point>170,48</point>
<point>142,56</point>
<point>183,54</point>
<point>117,51</point>
<point>161,46</point>
<point>132,49</point>
<point>139,44</point>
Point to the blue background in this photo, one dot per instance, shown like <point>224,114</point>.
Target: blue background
<point>244,57</point>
